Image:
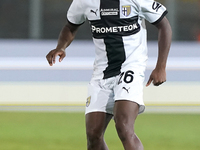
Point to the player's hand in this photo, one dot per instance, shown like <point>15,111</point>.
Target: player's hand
<point>157,77</point>
<point>51,56</point>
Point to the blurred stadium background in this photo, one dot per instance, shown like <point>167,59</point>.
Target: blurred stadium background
<point>29,30</point>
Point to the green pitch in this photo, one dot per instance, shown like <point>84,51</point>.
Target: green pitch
<point>66,131</point>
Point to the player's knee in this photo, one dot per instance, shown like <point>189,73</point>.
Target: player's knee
<point>93,135</point>
<point>124,130</point>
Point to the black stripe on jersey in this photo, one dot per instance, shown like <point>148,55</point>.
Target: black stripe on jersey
<point>116,56</point>
<point>163,15</point>
<point>110,15</point>
<point>109,6</point>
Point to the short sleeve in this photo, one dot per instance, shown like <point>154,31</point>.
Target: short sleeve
<point>75,13</point>
<point>152,11</point>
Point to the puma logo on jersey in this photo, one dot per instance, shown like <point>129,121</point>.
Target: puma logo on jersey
<point>156,6</point>
<point>126,89</point>
<point>95,12</point>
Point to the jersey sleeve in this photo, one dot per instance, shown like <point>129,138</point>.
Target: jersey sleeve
<point>75,13</point>
<point>152,11</point>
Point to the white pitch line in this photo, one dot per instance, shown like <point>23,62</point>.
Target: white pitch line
<point>86,63</point>
<point>149,109</point>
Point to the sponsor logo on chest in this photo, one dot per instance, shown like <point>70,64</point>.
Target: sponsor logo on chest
<point>114,29</point>
<point>109,12</point>
<point>125,10</point>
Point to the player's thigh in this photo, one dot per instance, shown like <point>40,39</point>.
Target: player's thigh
<point>96,123</point>
<point>125,112</point>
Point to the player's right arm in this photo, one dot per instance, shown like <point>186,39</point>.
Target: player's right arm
<point>66,36</point>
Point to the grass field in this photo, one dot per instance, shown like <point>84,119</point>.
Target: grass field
<point>66,131</point>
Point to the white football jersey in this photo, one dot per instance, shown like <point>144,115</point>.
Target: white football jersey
<point>118,30</point>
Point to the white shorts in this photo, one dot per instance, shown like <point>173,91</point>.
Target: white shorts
<point>102,93</point>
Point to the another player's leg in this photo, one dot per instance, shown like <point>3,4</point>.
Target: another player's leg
<point>125,113</point>
<point>96,123</point>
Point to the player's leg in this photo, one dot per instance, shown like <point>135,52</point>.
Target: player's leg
<point>99,111</point>
<point>128,93</point>
<point>96,123</point>
<point>125,113</point>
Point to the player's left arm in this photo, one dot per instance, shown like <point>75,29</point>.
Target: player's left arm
<point>66,36</point>
<point>158,75</point>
